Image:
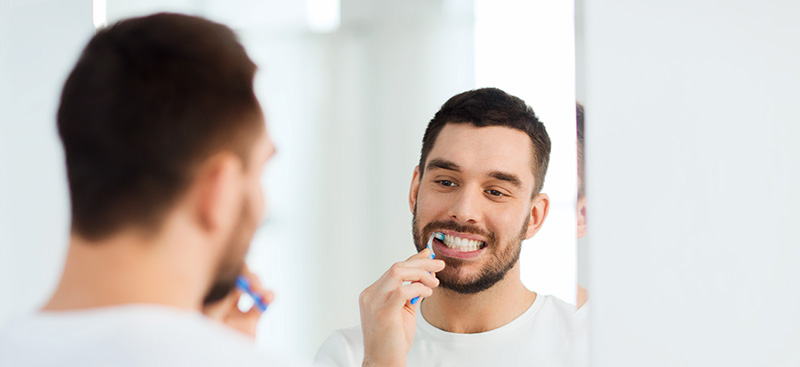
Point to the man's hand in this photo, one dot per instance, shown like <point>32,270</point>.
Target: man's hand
<point>227,311</point>
<point>388,319</point>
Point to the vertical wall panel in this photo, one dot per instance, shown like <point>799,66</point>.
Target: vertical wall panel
<point>692,153</point>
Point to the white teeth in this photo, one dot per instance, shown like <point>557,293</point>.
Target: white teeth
<point>461,244</point>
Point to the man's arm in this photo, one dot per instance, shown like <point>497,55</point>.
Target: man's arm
<point>343,348</point>
<point>388,319</point>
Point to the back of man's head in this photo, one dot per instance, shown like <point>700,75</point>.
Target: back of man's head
<point>148,100</point>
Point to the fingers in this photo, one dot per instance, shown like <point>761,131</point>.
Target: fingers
<point>264,295</point>
<point>245,322</point>
<point>393,287</point>
<point>416,268</point>
<point>220,309</point>
<point>422,260</point>
<point>408,292</point>
<point>400,273</point>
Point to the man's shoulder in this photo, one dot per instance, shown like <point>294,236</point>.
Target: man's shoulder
<point>352,334</point>
<point>554,306</point>
<point>128,336</point>
<point>344,347</point>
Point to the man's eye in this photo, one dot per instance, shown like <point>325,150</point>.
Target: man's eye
<point>495,193</point>
<point>446,183</point>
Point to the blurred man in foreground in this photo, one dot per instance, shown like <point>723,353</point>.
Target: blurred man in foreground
<point>478,182</point>
<point>165,142</point>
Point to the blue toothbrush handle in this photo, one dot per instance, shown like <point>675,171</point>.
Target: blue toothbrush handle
<point>244,285</point>
<point>416,299</point>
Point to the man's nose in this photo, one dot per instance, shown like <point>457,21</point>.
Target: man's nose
<point>466,208</point>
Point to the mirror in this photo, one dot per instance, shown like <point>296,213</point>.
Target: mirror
<point>348,88</point>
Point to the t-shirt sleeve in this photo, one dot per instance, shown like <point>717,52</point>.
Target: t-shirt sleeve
<point>340,350</point>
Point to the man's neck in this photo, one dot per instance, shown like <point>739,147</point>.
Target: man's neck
<point>478,312</point>
<point>127,269</point>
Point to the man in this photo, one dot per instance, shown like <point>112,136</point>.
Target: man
<point>582,296</point>
<point>165,142</point>
<point>482,167</point>
<point>582,313</point>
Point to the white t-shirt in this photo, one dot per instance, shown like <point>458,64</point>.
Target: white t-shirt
<point>544,335</point>
<point>582,333</point>
<point>129,335</point>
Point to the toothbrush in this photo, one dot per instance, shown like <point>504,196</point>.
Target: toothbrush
<point>244,285</point>
<point>439,236</point>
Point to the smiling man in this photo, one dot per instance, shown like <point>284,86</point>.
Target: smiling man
<point>479,180</point>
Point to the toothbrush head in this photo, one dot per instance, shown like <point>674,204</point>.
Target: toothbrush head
<point>437,235</point>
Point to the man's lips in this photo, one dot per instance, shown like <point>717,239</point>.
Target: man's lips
<point>459,245</point>
<point>468,236</point>
<point>441,250</point>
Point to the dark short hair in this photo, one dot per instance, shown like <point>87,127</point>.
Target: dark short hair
<point>492,107</point>
<point>581,162</point>
<point>149,99</point>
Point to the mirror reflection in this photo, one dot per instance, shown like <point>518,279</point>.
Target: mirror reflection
<point>403,126</point>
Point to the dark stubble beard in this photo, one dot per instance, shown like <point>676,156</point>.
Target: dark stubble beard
<point>232,262</point>
<point>491,273</point>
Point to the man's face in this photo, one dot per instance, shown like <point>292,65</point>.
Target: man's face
<point>250,215</point>
<point>476,189</point>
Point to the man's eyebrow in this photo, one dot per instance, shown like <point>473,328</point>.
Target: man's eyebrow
<point>508,177</point>
<point>442,164</point>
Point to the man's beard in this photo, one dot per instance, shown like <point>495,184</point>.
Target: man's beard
<point>232,261</point>
<point>491,273</point>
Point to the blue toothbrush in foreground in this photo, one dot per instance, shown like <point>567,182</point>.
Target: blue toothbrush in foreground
<point>439,236</point>
<point>244,285</point>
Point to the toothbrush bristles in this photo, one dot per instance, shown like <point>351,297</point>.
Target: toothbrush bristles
<point>437,235</point>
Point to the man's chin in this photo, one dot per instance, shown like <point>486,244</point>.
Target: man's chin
<point>464,288</point>
<point>465,282</point>
<point>219,290</point>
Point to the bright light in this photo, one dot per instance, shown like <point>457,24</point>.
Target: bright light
<point>323,16</point>
<point>527,49</point>
<point>99,13</point>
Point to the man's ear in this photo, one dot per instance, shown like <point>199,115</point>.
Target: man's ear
<point>414,190</point>
<point>539,209</point>
<point>581,214</point>
<point>218,192</point>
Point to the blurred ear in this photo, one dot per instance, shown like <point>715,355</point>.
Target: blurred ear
<point>539,209</point>
<point>414,190</point>
<point>581,214</point>
<point>218,192</point>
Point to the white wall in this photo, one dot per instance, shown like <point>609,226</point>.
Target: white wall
<point>692,152</point>
<point>39,43</point>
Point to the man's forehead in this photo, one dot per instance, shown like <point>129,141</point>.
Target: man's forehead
<point>484,149</point>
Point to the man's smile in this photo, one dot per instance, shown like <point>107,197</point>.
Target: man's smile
<point>460,245</point>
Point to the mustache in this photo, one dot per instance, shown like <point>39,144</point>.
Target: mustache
<point>463,228</point>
